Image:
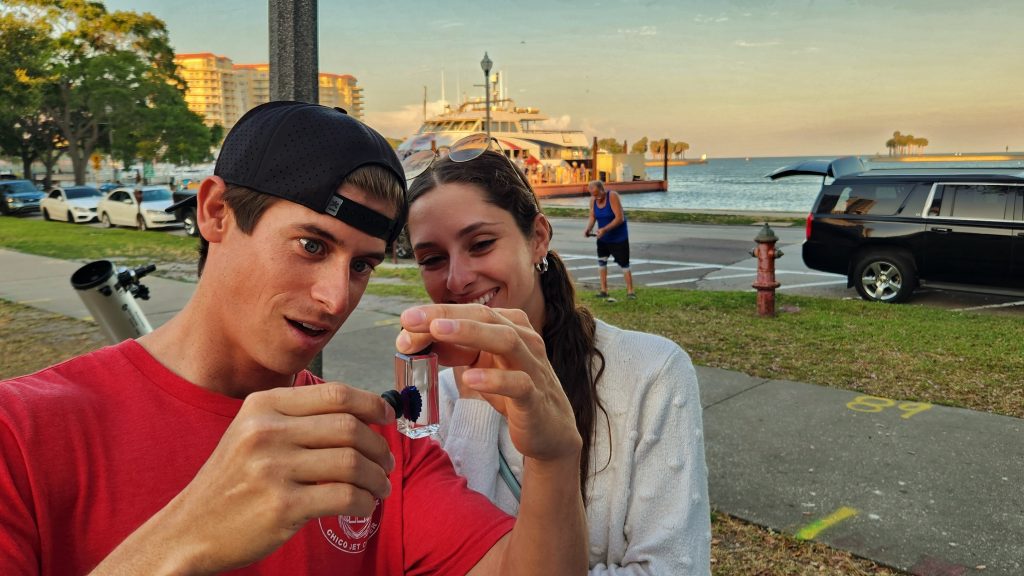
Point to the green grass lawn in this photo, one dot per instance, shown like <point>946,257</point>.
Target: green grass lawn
<point>905,352</point>
<point>126,246</point>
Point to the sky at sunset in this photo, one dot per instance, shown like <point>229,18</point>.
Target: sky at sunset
<point>732,78</point>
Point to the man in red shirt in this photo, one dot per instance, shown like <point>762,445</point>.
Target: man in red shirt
<point>205,446</point>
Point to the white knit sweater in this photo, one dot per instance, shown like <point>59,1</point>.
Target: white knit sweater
<point>648,510</point>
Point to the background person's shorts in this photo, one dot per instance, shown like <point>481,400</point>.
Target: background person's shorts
<point>617,250</point>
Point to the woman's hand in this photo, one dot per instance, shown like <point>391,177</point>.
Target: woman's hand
<point>505,362</point>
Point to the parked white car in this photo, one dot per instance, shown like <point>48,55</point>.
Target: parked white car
<point>120,208</point>
<point>71,204</point>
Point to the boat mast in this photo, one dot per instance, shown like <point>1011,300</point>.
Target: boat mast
<point>444,102</point>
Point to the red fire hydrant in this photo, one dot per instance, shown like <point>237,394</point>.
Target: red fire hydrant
<point>765,283</point>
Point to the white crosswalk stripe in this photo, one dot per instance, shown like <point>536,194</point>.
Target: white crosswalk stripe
<point>646,267</point>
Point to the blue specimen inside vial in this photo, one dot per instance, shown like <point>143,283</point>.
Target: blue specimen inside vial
<point>407,404</point>
<point>414,397</point>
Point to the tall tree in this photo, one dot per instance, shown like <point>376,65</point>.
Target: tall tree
<point>902,144</point>
<point>610,144</point>
<point>112,71</point>
<point>640,146</point>
<point>24,47</point>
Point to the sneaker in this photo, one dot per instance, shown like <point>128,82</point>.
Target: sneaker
<point>631,296</point>
<point>602,295</point>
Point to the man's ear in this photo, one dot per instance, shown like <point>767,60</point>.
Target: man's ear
<point>211,211</point>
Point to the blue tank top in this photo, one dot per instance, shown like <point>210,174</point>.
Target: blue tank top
<point>605,216</point>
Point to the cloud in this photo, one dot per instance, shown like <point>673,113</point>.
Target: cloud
<point>702,19</point>
<point>402,122</point>
<point>447,25</point>
<point>641,31</point>
<point>563,122</point>
<point>745,44</point>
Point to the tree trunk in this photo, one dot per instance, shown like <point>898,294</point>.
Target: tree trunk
<point>49,160</point>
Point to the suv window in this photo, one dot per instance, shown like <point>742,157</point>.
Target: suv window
<point>862,199</point>
<point>970,201</point>
<point>17,186</point>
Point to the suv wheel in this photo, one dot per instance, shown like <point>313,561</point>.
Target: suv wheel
<point>188,218</point>
<point>105,219</point>
<point>46,215</point>
<point>884,277</point>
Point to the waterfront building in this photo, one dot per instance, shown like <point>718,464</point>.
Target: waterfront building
<point>212,88</point>
<point>253,83</point>
<point>341,90</point>
<point>221,91</point>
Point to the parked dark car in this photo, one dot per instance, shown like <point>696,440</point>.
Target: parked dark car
<point>19,196</point>
<point>891,231</point>
<point>187,214</point>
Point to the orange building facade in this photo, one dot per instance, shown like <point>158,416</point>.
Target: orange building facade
<point>222,91</point>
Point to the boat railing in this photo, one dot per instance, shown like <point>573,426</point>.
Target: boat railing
<point>550,131</point>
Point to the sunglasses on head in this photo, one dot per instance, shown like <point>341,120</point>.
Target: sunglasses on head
<point>463,150</point>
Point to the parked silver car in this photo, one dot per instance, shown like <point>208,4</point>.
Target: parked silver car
<point>71,204</point>
<point>121,208</point>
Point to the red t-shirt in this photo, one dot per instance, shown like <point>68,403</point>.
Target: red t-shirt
<point>93,447</point>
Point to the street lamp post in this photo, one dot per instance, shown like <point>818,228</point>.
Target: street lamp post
<point>485,64</point>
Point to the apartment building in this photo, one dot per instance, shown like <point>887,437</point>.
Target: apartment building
<point>222,91</point>
<point>212,88</point>
<point>253,83</point>
<point>341,90</point>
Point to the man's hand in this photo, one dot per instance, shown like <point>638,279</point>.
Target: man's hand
<point>290,455</point>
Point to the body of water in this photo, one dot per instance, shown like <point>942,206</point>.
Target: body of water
<point>741,184</point>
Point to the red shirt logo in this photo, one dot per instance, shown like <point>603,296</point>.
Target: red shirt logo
<point>351,533</point>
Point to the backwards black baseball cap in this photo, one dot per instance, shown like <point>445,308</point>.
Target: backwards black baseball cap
<point>303,152</point>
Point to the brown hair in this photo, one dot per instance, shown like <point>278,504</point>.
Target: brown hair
<point>249,205</point>
<point>569,330</point>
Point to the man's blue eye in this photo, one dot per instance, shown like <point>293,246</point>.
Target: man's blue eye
<point>311,246</point>
<point>363,267</point>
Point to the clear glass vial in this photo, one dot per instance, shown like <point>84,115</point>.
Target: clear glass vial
<point>414,398</point>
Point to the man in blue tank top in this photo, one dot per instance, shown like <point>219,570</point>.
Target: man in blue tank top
<point>612,235</point>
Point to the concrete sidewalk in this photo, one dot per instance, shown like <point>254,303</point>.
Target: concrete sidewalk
<point>928,489</point>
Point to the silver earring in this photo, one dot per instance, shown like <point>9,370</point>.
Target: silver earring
<point>542,266</point>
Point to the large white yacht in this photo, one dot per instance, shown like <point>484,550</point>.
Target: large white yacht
<point>557,162</point>
<point>518,129</point>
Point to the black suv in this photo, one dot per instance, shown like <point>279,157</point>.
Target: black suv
<point>890,231</point>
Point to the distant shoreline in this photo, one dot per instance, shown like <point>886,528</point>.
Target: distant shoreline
<point>684,162</point>
<point>966,157</point>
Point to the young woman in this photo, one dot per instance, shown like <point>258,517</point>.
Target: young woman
<point>479,237</point>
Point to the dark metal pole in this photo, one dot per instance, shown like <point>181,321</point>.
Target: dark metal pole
<point>294,69</point>
<point>664,162</point>
<point>485,64</point>
<point>293,50</point>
